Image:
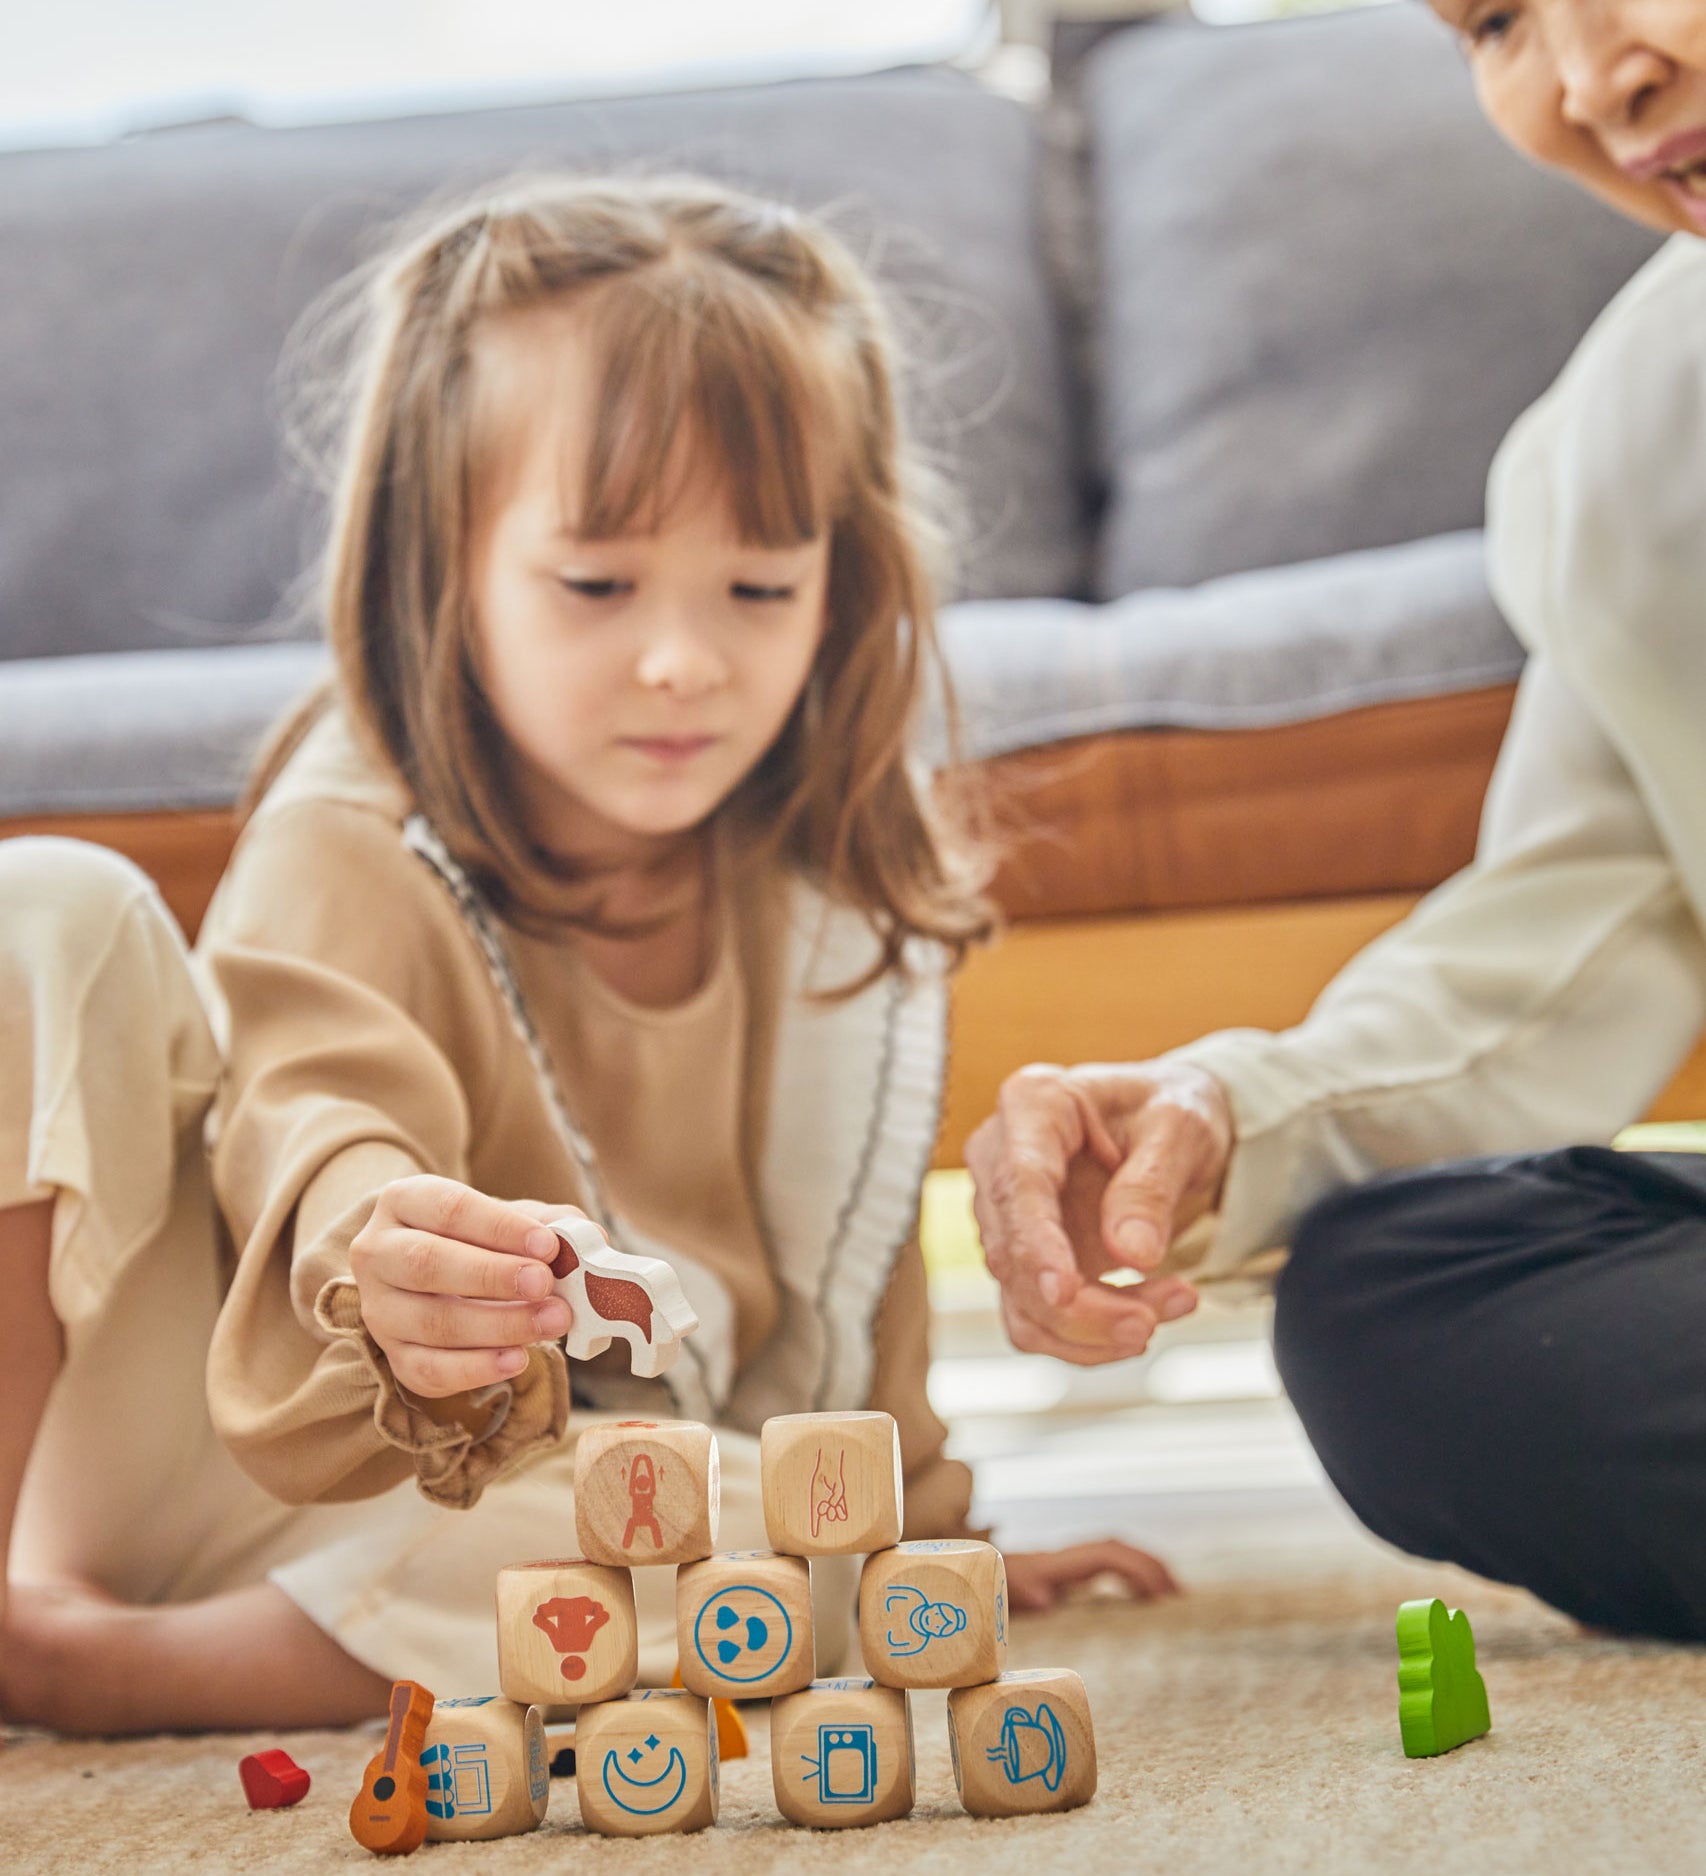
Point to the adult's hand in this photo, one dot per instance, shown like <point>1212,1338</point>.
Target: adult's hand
<point>1081,1171</point>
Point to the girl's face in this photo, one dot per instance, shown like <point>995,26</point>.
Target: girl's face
<point>1611,91</point>
<point>639,680</point>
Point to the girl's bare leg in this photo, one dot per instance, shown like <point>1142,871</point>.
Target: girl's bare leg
<point>74,1659</point>
<point>32,1346</point>
<point>78,1662</point>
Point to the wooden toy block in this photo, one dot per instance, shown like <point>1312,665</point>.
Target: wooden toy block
<point>647,1763</point>
<point>933,1613</point>
<point>831,1483</point>
<point>272,1780</point>
<point>1442,1700</point>
<point>566,1632</point>
<point>487,1770</point>
<point>841,1754</point>
<point>743,1624</point>
<point>647,1491</point>
<point>1023,1743</point>
<point>389,1814</point>
<point>615,1293</point>
<point>731,1728</point>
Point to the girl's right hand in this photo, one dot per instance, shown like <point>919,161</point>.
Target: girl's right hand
<point>455,1285</point>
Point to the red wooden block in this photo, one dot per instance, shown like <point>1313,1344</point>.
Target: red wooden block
<point>271,1780</point>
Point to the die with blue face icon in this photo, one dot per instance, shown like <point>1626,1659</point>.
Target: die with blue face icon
<point>744,1624</point>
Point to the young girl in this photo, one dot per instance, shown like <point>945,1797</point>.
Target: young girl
<point>599,876</point>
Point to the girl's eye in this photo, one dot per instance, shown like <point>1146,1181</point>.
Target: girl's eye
<point>743,590</point>
<point>596,589</point>
<point>1491,27</point>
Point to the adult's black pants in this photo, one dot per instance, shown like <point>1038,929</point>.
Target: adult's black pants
<point>1502,1363</point>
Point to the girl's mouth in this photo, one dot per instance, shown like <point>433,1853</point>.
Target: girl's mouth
<point>669,749</point>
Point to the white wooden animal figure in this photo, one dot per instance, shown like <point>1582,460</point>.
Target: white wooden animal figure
<point>614,1293</point>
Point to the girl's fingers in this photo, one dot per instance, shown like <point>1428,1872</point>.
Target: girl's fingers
<point>426,1265</point>
<point>449,1209</point>
<point>453,1322</point>
<point>434,1373</point>
<point>1144,1575</point>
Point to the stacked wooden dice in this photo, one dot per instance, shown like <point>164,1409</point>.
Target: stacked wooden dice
<point>931,1614</point>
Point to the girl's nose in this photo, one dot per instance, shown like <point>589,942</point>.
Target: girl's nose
<point>681,661</point>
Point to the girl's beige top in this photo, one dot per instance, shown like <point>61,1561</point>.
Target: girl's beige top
<point>1548,992</point>
<point>366,1039</point>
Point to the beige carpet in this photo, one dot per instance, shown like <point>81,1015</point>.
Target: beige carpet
<point>1242,1731</point>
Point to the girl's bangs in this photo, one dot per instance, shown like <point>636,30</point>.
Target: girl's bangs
<point>701,384</point>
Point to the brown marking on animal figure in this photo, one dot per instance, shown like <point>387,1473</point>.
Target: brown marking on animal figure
<point>619,1299</point>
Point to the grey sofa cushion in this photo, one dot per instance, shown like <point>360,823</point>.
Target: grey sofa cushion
<point>141,731</point>
<point>1276,646</point>
<point>1328,290</point>
<point>146,286</point>
<point>177,729</point>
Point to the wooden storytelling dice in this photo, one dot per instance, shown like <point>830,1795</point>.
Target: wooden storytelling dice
<point>933,1613</point>
<point>841,1754</point>
<point>566,1632</point>
<point>488,1774</point>
<point>647,1763</point>
<point>646,1491</point>
<point>743,1623</point>
<point>1023,1743</point>
<point>831,1482</point>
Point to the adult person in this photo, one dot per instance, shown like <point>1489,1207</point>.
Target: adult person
<point>1501,1360</point>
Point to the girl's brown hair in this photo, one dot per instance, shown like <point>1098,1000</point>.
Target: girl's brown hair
<point>715,314</point>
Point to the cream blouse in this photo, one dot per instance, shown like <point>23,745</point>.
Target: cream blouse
<point>1547,993</point>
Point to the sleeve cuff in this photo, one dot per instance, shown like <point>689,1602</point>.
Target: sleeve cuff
<point>457,1458</point>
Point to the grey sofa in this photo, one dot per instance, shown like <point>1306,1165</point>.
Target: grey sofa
<point>1222,409</point>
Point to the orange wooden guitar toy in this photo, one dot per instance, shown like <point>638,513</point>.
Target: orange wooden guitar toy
<point>389,1815</point>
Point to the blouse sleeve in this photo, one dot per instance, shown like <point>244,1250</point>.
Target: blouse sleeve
<point>1548,993</point>
<point>356,1037</point>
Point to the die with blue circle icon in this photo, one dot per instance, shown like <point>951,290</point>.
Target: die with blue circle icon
<point>744,1624</point>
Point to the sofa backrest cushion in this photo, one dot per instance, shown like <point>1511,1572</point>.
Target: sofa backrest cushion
<point>146,287</point>
<point>1327,289</point>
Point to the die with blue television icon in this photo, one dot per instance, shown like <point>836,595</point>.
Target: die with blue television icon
<point>841,1753</point>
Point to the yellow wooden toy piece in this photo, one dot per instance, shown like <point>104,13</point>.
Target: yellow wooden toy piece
<point>1023,1743</point>
<point>832,1483</point>
<point>646,1491</point>
<point>647,1764</point>
<point>566,1632</point>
